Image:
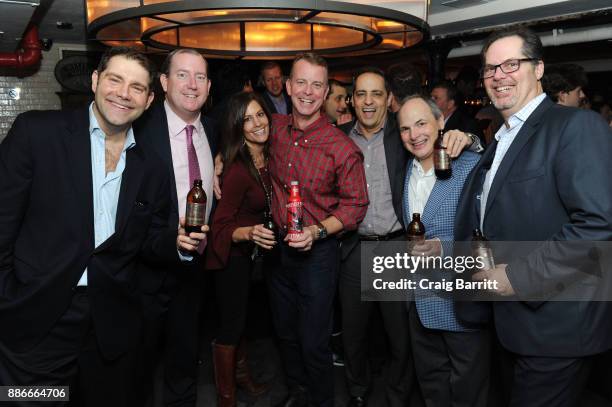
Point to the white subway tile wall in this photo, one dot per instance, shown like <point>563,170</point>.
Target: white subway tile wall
<point>38,91</point>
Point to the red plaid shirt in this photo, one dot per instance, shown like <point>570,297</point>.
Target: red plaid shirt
<point>328,166</point>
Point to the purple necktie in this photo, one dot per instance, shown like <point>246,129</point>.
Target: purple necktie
<point>192,157</point>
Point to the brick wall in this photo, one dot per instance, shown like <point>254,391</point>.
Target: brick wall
<point>37,90</point>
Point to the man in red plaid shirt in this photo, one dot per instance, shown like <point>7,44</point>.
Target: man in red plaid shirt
<point>306,148</point>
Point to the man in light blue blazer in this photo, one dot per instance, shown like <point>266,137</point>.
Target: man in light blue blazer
<point>451,360</point>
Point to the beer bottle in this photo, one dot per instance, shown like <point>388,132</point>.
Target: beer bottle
<point>442,162</point>
<point>195,213</point>
<point>416,229</point>
<point>481,248</point>
<point>295,217</point>
<point>268,222</point>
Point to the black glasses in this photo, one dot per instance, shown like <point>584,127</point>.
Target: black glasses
<point>509,66</point>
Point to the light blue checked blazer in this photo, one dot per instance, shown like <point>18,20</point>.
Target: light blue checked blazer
<point>438,218</point>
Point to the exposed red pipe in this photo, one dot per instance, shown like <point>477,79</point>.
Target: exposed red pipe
<point>29,54</point>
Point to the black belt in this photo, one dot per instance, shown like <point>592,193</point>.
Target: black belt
<point>80,289</point>
<point>379,238</point>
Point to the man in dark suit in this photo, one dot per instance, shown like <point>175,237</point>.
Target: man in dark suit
<point>274,96</point>
<point>174,128</point>
<point>81,200</point>
<point>376,133</point>
<point>449,100</point>
<point>544,179</point>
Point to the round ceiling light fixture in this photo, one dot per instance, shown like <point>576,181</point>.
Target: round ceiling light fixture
<point>255,30</point>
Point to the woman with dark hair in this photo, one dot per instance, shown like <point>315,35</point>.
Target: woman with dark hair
<point>236,229</point>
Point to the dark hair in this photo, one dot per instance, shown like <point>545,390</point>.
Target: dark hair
<point>532,46</point>
<point>331,83</point>
<point>234,147</point>
<point>165,69</point>
<point>269,65</point>
<point>230,79</point>
<point>404,80</point>
<point>563,78</point>
<point>311,58</point>
<point>131,54</point>
<point>373,70</point>
<point>452,92</point>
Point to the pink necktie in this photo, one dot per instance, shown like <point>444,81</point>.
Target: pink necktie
<point>194,169</point>
<point>192,157</point>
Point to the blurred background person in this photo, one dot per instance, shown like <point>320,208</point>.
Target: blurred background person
<point>237,228</point>
<point>274,96</point>
<point>565,84</point>
<point>404,80</point>
<point>335,105</point>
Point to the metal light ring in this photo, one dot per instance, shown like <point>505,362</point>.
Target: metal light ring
<point>161,9</point>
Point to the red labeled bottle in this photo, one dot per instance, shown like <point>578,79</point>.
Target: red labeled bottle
<point>195,213</point>
<point>442,161</point>
<point>295,214</point>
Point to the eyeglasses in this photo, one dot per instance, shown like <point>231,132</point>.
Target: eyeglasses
<point>509,66</point>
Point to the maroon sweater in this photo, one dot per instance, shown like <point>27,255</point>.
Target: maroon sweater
<point>242,203</point>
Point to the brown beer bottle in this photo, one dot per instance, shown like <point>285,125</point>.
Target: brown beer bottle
<point>442,162</point>
<point>481,248</point>
<point>416,230</point>
<point>195,213</point>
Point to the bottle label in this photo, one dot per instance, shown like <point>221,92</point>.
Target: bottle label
<point>441,159</point>
<point>295,218</point>
<point>195,214</point>
<point>486,255</point>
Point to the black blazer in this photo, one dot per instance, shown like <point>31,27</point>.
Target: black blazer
<point>47,232</point>
<point>397,157</point>
<point>552,185</point>
<point>152,127</point>
<point>460,120</point>
<point>270,104</point>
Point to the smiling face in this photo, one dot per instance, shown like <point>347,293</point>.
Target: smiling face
<point>335,104</point>
<point>371,101</point>
<point>307,87</point>
<point>510,92</point>
<point>256,125</point>
<point>419,130</point>
<point>122,94</point>
<point>186,85</point>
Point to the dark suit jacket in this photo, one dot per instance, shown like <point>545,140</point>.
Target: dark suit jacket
<point>396,156</point>
<point>552,186</point>
<point>153,128</point>
<point>270,104</point>
<point>460,120</point>
<point>47,232</point>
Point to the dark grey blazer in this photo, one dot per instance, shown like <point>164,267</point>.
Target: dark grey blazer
<point>552,185</point>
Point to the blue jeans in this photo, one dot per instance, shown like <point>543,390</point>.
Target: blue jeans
<point>302,287</point>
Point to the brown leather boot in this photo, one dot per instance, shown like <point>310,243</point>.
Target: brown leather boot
<point>224,361</point>
<point>243,375</point>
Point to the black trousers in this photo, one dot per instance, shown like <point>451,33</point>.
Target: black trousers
<point>302,287</point>
<point>232,291</point>
<point>69,356</point>
<point>452,367</point>
<point>548,382</point>
<point>182,341</point>
<point>400,381</point>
